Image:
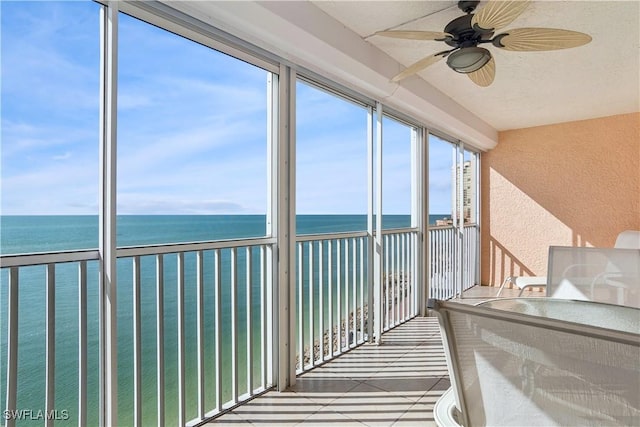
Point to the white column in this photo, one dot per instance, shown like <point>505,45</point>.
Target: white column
<point>478,217</point>
<point>371,272</point>
<point>422,213</point>
<point>271,259</point>
<point>378,255</point>
<point>284,227</point>
<point>460,218</point>
<point>107,232</point>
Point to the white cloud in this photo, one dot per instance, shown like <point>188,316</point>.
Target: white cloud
<point>130,101</point>
<point>134,204</point>
<point>58,188</point>
<point>64,156</point>
<point>191,129</point>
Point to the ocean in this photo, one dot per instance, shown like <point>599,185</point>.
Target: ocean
<point>29,234</point>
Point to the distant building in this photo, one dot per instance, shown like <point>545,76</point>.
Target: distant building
<point>468,191</point>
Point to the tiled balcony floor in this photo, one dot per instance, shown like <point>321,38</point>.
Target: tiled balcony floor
<point>394,384</point>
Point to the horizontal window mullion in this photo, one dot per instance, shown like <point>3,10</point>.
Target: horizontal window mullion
<point>177,22</point>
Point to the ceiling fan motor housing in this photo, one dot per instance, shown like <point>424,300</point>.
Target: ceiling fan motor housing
<point>467,57</point>
<point>464,35</point>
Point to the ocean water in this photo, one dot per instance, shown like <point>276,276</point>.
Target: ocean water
<point>27,234</point>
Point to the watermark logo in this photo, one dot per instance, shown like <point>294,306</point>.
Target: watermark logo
<point>31,414</point>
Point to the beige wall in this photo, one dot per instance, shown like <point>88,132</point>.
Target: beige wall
<point>571,184</point>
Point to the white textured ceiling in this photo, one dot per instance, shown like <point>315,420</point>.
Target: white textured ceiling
<point>336,40</point>
<point>599,79</point>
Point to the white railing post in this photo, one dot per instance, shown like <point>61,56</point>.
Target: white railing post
<point>300,316</point>
<point>182,415</point>
<point>346,292</point>
<point>82,343</point>
<point>311,305</point>
<point>234,325</point>
<point>50,347</point>
<point>339,293</point>
<point>200,330</point>
<point>249,322</point>
<point>160,389</point>
<point>264,320</point>
<point>217,315</point>
<point>12,345</point>
<point>362,279</point>
<point>330,286</point>
<point>137,345</point>
<point>321,282</point>
<point>354,302</point>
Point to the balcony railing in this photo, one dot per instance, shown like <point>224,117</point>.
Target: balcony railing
<point>450,277</point>
<point>332,294</point>
<point>399,278</point>
<point>333,290</point>
<point>195,320</point>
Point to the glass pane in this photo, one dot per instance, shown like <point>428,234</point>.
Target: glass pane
<point>331,162</point>
<point>396,174</point>
<point>50,115</point>
<point>441,172</point>
<point>192,140</point>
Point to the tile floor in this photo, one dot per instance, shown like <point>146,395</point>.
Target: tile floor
<point>396,383</point>
<point>393,384</point>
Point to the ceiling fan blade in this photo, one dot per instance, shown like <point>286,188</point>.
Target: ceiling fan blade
<point>485,75</point>
<point>419,66</point>
<point>498,14</point>
<point>415,35</point>
<point>536,39</point>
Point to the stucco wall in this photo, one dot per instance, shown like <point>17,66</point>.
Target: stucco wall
<point>570,184</point>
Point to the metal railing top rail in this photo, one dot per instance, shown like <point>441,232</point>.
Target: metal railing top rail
<point>39,258</point>
<point>330,236</point>
<point>399,230</point>
<point>350,234</point>
<point>171,248</point>
<point>445,227</point>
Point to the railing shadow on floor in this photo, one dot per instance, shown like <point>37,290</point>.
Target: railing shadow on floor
<point>396,383</point>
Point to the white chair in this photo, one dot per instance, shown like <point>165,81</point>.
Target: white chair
<point>523,282</point>
<point>628,239</point>
<point>610,275</point>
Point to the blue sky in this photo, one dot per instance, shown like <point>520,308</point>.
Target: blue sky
<point>191,126</point>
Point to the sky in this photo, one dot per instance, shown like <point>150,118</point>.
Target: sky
<point>192,127</point>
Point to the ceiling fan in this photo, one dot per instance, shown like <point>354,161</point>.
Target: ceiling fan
<point>465,33</point>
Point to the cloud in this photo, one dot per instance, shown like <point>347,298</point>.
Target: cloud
<point>130,101</point>
<point>64,156</point>
<point>134,204</point>
<point>192,126</point>
<point>58,188</point>
<point>49,52</point>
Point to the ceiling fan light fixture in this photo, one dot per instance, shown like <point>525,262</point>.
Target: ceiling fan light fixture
<point>468,59</point>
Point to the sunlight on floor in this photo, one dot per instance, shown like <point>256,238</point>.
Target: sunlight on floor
<point>395,384</point>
